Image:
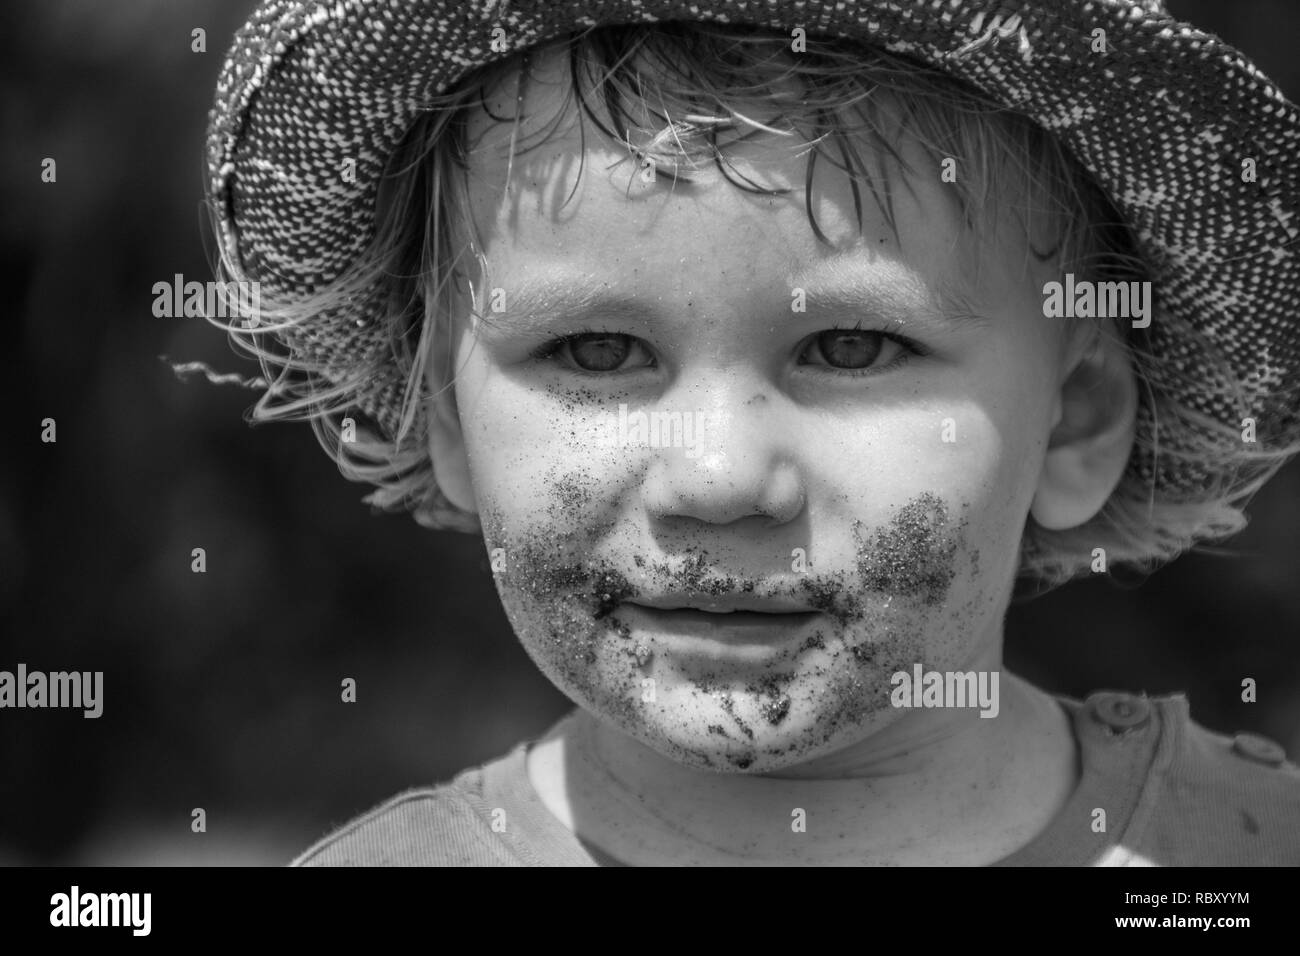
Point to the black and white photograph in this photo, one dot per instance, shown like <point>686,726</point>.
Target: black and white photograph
<point>648,433</point>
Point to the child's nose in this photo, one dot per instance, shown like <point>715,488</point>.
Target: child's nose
<point>745,465</point>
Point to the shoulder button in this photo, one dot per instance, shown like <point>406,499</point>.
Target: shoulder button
<point>1260,749</point>
<point>1120,712</point>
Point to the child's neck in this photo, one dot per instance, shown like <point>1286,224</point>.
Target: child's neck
<point>936,787</point>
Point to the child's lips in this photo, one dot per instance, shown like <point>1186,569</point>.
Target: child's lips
<point>738,626</point>
<point>722,604</point>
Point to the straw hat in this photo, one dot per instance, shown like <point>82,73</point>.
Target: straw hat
<point>1194,146</point>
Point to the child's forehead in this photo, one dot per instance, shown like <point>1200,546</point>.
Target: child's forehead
<point>575,190</point>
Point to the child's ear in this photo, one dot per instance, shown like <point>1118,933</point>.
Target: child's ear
<point>446,440</point>
<point>1092,434</point>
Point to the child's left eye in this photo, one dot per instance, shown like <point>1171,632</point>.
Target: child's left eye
<point>858,351</point>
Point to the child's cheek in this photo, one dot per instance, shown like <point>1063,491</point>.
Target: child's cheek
<point>541,447</point>
<point>983,452</point>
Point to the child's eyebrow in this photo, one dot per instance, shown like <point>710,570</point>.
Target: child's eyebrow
<point>892,291</point>
<point>538,306</point>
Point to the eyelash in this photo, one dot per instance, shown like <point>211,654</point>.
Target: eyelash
<point>550,348</point>
<point>910,349</point>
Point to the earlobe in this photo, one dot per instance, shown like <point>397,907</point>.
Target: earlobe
<point>1092,437</point>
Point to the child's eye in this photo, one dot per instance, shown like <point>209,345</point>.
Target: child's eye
<point>596,351</point>
<point>858,351</point>
<point>844,351</point>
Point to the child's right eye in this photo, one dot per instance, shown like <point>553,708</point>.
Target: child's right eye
<point>595,352</point>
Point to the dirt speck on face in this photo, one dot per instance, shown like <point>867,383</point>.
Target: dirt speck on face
<point>574,490</point>
<point>814,640</point>
<point>730,707</point>
<point>914,556</point>
<point>862,653</point>
<point>572,495</point>
<point>775,706</point>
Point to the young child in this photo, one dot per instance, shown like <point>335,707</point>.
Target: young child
<point>768,345</point>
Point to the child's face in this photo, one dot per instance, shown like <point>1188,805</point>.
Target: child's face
<point>881,511</point>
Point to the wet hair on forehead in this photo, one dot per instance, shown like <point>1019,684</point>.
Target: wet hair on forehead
<point>683,95</point>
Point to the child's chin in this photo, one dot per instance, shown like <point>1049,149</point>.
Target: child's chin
<point>708,740</point>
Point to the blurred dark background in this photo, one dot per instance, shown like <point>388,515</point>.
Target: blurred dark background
<point>222,690</point>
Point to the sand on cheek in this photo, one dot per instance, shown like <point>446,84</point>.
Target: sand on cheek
<point>885,614</point>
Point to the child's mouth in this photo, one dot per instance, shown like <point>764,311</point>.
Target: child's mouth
<point>734,625</point>
<point>747,602</point>
<point>714,636</point>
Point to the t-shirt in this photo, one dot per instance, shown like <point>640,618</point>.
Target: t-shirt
<point>1174,794</point>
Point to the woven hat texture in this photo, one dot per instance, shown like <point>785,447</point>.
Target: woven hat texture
<point>1164,120</point>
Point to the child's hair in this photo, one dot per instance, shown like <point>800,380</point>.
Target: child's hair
<point>672,93</point>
